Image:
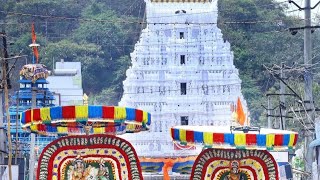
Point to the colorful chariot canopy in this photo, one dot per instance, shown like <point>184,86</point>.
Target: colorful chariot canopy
<point>224,137</point>
<point>72,120</point>
<point>34,72</point>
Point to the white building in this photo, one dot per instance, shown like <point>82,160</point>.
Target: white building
<point>182,73</point>
<point>66,83</point>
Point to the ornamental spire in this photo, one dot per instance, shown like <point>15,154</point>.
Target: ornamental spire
<point>34,45</point>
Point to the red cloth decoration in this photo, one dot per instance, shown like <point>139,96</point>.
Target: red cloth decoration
<point>28,116</point>
<point>68,112</point>
<point>278,140</point>
<point>42,127</point>
<point>110,129</point>
<point>36,115</point>
<point>172,132</point>
<point>72,124</point>
<point>73,129</point>
<point>139,115</point>
<point>295,139</point>
<point>251,139</point>
<point>218,137</point>
<point>108,112</point>
<point>189,136</point>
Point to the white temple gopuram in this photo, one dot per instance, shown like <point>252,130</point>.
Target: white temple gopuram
<point>182,73</point>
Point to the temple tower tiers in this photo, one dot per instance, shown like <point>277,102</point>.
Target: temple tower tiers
<point>182,73</point>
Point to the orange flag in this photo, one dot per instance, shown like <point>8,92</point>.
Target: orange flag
<point>34,38</point>
<point>240,113</point>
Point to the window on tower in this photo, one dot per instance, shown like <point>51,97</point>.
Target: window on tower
<point>184,120</point>
<point>181,35</point>
<point>182,59</point>
<point>183,88</point>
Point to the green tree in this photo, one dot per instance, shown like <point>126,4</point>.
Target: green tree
<point>264,41</point>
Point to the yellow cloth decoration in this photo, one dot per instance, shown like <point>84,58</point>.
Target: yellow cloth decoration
<point>120,113</point>
<point>240,139</point>
<point>183,136</point>
<point>98,130</point>
<point>208,138</point>
<point>62,129</point>
<point>291,141</point>
<point>45,114</point>
<point>131,127</point>
<point>81,112</point>
<point>34,127</point>
<point>145,117</point>
<point>270,140</point>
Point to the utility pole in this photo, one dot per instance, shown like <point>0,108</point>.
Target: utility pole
<point>17,124</point>
<point>5,85</point>
<point>2,133</point>
<point>308,81</point>
<point>33,136</point>
<point>34,89</point>
<point>278,73</point>
<point>282,100</point>
<point>269,113</point>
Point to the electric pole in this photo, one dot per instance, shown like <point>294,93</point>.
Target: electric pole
<point>278,73</point>
<point>5,85</point>
<point>308,81</point>
<point>2,133</point>
<point>282,100</point>
<point>33,136</point>
<point>5,81</point>
<point>269,113</point>
<point>17,124</point>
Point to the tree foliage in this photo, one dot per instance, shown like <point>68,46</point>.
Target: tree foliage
<point>263,41</point>
<point>101,34</point>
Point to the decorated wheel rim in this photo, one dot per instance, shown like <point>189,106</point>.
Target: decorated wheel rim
<point>224,137</point>
<point>75,120</point>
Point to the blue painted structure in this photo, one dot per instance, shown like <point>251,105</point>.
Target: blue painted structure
<point>23,98</point>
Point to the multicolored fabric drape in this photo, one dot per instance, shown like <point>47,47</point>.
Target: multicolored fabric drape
<point>238,139</point>
<point>72,119</point>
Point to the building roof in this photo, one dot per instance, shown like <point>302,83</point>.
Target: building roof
<point>181,1</point>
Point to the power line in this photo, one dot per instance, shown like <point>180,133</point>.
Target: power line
<point>127,22</point>
<point>108,21</point>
